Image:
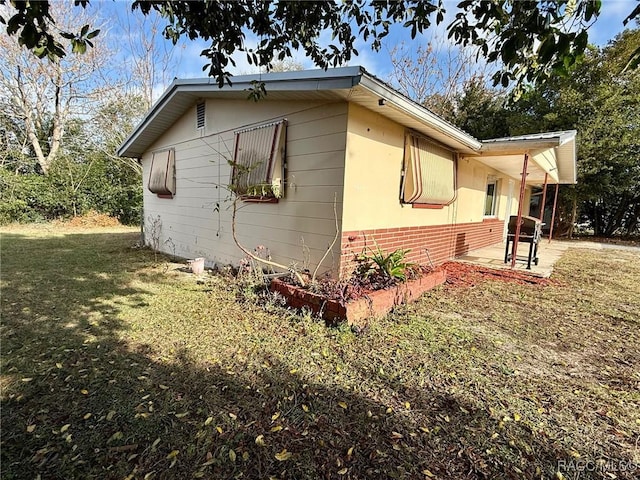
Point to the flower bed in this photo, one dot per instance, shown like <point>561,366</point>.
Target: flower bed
<point>359,310</point>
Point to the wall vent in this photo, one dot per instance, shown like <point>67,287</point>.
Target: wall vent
<point>200,115</point>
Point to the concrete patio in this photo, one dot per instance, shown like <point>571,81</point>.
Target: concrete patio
<point>493,257</point>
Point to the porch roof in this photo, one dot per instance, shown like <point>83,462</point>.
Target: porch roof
<point>553,153</point>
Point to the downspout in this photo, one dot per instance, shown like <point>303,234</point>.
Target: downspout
<point>142,239</point>
<point>523,186</point>
<point>553,213</point>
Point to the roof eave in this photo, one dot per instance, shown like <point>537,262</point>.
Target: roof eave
<point>417,111</point>
<point>336,79</point>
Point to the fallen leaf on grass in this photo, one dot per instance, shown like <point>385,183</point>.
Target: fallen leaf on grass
<point>428,473</point>
<point>116,436</point>
<point>163,387</point>
<point>182,415</point>
<point>277,428</point>
<point>28,379</point>
<point>342,471</point>
<point>305,408</point>
<point>87,416</point>
<point>208,421</point>
<point>260,440</point>
<point>173,454</point>
<point>110,415</point>
<point>283,455</point>
<point>232,455</point>
<point>31,428</point>
<point>275,416</point>
<point>65,428</point>
<point>219,429</point>
<point>123,448</point>
<point>342,405</point>
<point>84,391</point>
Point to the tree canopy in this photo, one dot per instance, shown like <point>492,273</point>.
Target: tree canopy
<point>529,38</point>
<point>601,100</point>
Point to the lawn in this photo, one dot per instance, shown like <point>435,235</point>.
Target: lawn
<point>116,364</point>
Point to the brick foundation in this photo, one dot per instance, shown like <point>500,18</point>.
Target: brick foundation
<point>444,242</point>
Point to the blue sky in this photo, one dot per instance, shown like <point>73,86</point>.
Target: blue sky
<point>187,62</point>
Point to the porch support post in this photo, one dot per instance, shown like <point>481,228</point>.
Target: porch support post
<point>523,186</point>
<point>553,213</point>
<point>544,196</point>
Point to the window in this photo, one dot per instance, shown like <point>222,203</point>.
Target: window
<point>491,200</point>
<point>200,115</point>
<point>429,174</point>
<point>258,162</point>
<point>162,177</point>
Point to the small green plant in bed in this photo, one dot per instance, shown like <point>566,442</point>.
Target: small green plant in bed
<point>381,269</point>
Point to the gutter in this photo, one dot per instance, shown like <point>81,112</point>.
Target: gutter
<point>414,109</point>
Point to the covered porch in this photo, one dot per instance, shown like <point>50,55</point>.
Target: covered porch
<point>543,160</point>
<point>493,257</point>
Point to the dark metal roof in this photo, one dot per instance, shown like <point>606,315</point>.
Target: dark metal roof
<point>345,83</point>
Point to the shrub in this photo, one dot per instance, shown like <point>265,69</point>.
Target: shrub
<point>71,188</point>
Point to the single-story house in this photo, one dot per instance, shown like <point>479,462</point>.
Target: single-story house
<point>325,149</point>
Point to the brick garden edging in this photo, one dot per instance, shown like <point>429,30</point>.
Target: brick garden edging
<point>357,312</point>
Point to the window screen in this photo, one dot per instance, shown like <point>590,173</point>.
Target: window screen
<point>162,177</point>
<point>258,161</point>
<point>429,172</point>
<point>200,115</point>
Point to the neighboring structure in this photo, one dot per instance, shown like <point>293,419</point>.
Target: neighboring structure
<point>401,176</point>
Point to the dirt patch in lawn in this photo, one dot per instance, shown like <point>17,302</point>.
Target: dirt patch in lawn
<point>90,220</point>
<point>467,275</point>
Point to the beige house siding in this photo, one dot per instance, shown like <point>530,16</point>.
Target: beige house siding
<point>375,150</point>
<point>197,221</point>
<point>372,208</point>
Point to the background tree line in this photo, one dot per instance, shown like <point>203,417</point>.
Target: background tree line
<point>62,117</point>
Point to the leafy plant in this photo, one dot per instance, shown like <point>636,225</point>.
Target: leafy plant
<point>391,266</point>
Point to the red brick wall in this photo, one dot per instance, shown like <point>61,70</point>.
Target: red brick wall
<point>444,242</point>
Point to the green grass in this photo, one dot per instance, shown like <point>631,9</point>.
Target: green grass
<point>115,365</point>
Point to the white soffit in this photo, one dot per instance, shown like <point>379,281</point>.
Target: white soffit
<point>511,165</point>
